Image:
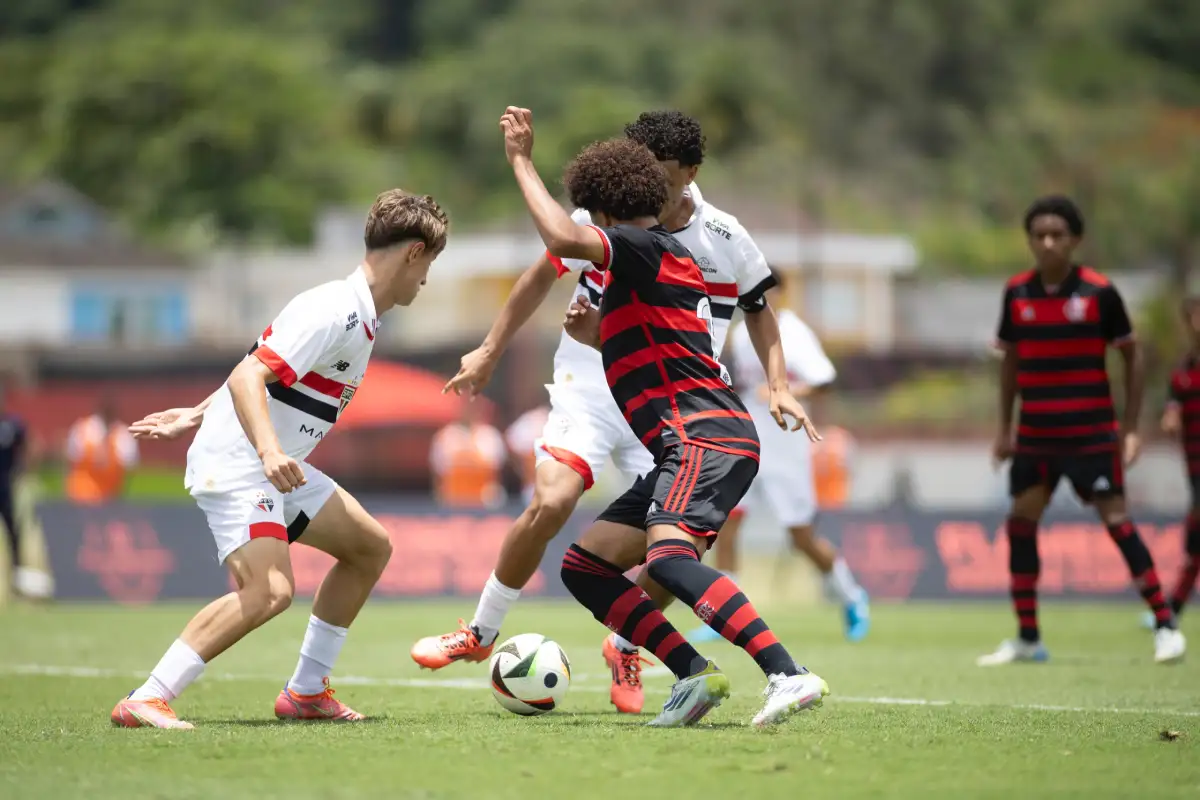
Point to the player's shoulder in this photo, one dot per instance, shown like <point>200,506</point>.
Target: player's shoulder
<point>1093,277</point>
<point>1021,279</point>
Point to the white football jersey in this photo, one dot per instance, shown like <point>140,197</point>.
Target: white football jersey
<point>735,273</point>
<point>318,347</point>
<point>806,359</point>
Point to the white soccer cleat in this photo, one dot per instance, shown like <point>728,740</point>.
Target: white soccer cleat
<point>1012,651</point>
<point>692,698</point>
<point>33,584</point>
<point>1169,646</point>
<point>789,694</point>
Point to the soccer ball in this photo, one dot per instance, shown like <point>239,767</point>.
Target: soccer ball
<point>530,674</point>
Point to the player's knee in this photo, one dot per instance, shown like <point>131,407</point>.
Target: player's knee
<point>267,596</point>
<point>372,550</point>
<point>550,509</point>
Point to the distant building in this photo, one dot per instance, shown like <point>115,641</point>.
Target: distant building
<point>71,276</point>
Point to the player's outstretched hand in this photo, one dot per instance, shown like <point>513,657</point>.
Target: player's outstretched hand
<point>283,472</point>
<point>1171,420</point>
<point>583,322</point>
<point>474,372</point>
<point>517,124</point>
<point>169,424</point>
<point>783,405</point>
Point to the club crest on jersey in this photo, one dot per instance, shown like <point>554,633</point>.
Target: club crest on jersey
<point>263,502</point>
<point>1076,308</point>
<point>347,393</point>
<point>1026,312</point>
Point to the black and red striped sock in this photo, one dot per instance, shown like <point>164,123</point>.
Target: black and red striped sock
<point>1141,567</point>
<point>1191,567</point>
<point>1024,566</point>
<point>718,602</point>
<point>623,607</point>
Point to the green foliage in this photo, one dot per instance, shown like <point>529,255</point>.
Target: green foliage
<point>941,118</point>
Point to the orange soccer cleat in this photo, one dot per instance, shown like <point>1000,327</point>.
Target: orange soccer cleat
<point>435,652</point>
<point>626,692</point>
<point>152,713</point>
<point>323,706</point>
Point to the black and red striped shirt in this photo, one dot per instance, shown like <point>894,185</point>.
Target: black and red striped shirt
<point>1185,394</point>
<point>1061,336</point>
<point>657,345</point>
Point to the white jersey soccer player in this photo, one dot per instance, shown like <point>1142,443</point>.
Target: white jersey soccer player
<point>784,484</point>
<point>246,470</point>
<point>585,427</point>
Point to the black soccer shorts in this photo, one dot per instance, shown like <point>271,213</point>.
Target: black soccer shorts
<point>693,488</point>
<point>1092,475</point>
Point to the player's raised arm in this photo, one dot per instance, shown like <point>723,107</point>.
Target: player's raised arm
<point>563,238</point>
<point>531,289</point>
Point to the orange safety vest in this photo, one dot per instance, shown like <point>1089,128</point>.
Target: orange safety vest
<point>466,464</point>
<point>831,467</point>
<point>97,470</point>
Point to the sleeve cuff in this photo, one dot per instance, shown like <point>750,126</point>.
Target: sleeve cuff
<point>286,375</point>
<point>608,254</point>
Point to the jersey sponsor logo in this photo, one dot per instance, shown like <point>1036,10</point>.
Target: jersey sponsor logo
<point>351,320</point>
<point>718,229</point>
<point>312,433</point>
<point>705,265</point>
<point>263,502</point>
<point>1027,312</point>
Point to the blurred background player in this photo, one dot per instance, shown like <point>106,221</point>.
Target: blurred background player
<point>26,581</point>
<point>585,427</point>
<point>100,453</point>
<point>247,471</point>
<point>521,438</point>
<point>785,483</point>
<point>466,458</point>
<point>1182,418</point>
<point>1056,324</point>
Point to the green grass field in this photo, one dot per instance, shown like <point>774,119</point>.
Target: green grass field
<point>910,715</point>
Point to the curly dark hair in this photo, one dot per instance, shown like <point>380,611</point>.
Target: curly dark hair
<point>1059,206</point>
<point>620,178</point>
<point>670,135</point>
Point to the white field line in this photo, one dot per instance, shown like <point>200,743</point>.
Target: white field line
<point>592,683</point>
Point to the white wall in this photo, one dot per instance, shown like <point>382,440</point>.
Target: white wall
<point>34,306</point>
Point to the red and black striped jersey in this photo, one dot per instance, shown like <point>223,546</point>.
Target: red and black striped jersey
<point>1185,394</point>
<point>1061,336</point>
<point>657,345</point>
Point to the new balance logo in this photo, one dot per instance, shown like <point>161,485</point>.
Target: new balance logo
<point>342,366</point>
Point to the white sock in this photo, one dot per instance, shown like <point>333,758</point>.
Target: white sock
<point>176,670</point>
<point>493,607</point>
<point>623,644</point>
<point>318,653</point>
<point>841,580</point>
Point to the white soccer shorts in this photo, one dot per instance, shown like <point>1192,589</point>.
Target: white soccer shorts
<point>257,509</point>
<point>584,428</point>
<point>784,483</point>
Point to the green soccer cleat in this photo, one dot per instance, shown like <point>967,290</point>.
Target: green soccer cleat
<point>692,698</point>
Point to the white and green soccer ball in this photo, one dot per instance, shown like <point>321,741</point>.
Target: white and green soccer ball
<point>530,674</point>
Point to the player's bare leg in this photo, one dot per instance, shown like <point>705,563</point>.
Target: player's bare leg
<point>1024,567</point>
<point>825,557</point>
<point>557,489</point>
<point>263,573</point>
<point>1169,643</point>
<point>344,530</point>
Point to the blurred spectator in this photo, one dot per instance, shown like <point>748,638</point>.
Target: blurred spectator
<point>522,437</point>
<point>26,580</point>
<point>466,458</point>
<point>831,466</point>
<point>100,453</point>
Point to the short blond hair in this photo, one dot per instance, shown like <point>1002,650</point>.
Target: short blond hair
<point>397,216</point>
